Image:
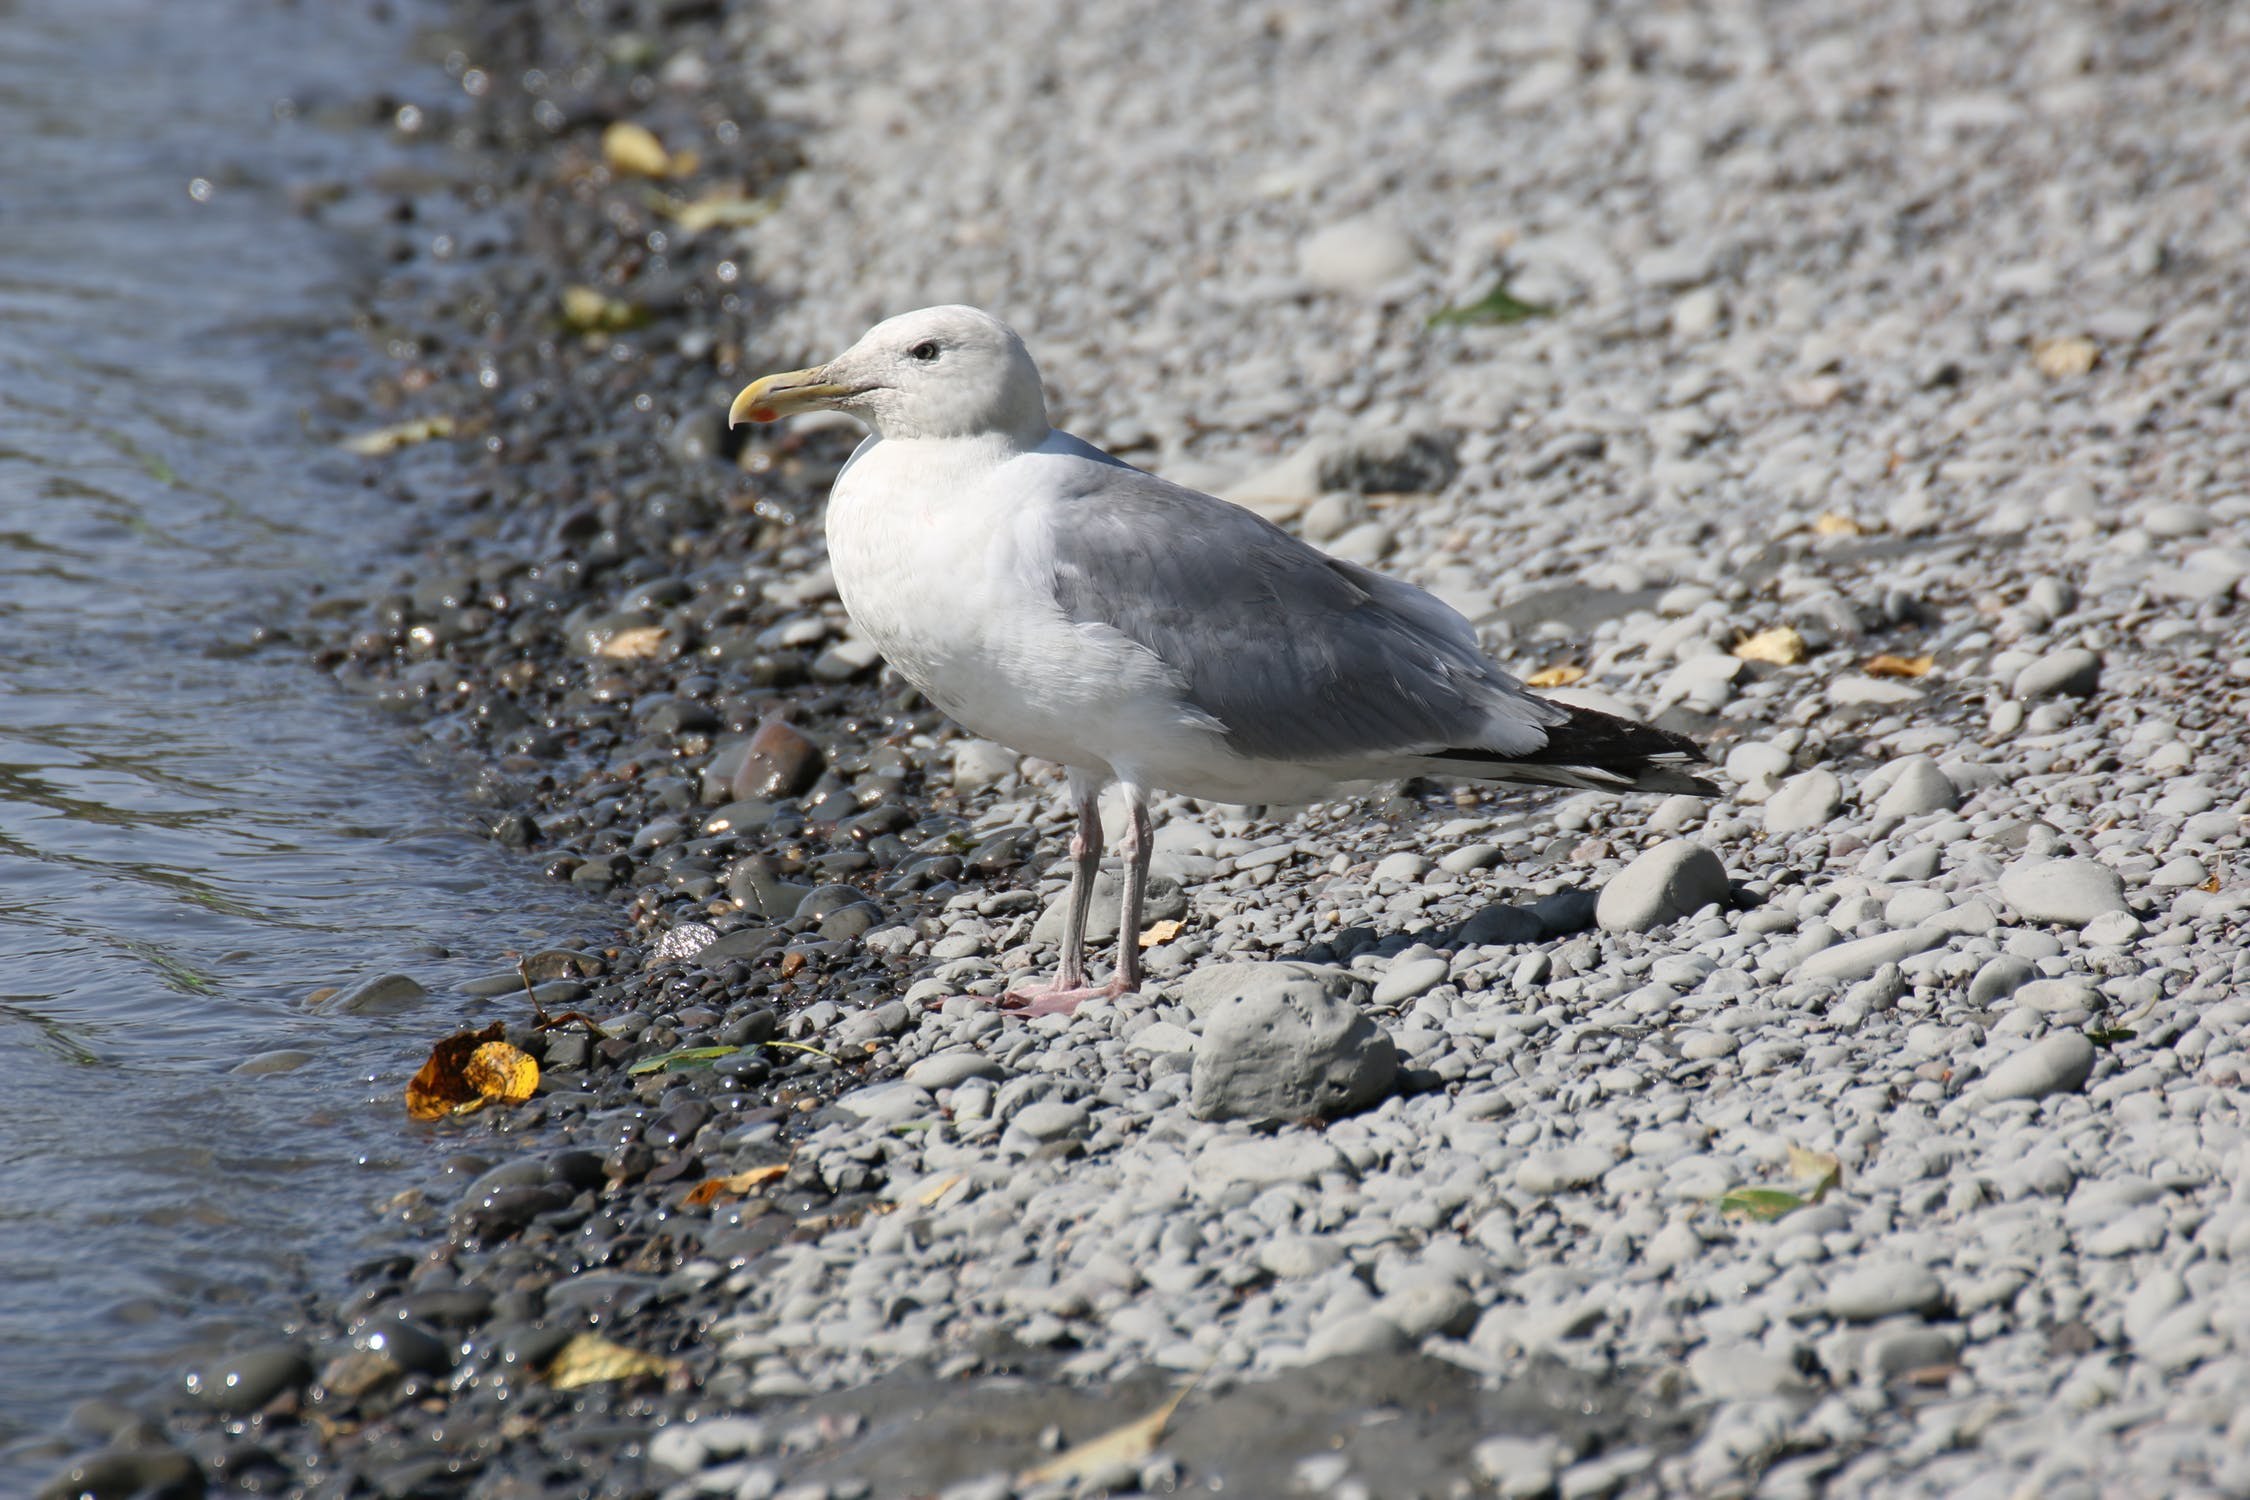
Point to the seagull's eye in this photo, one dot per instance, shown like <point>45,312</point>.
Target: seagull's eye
<point>924,351</point>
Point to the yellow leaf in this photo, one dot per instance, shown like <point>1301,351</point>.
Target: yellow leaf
<point>726,210</point>
<point>1782,646</point>
<point>398,435</point>
<point>1829,523</point>
<point>1819,1169</point>
<point>633,643</point>
<point>590,1359</point>
<point>2063,358</point>
<point>441,1086</point>
<point>1160,932</point>
<point>589,309</point>
<point>1096,1457</point>
<point>929,1196</point>
<point>711,1189</point>
<point>1561,674</point>
<point>1887,665</point>
<point>634,151</point>
<point>2211,885</point>
<point>502,1073</point>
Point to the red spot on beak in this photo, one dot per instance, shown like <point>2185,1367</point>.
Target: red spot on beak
<point>763,414</point>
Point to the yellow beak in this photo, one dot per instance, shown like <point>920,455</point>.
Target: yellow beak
<point>769,398</point>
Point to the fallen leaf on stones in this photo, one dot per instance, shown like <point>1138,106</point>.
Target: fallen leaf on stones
<point>2060,359</point>
<point>1887,665</point>
<point>800,1046</point>
<point>1829,523</point>
<point>929,1196</point>
<point>1495,307</point>
<point>1096,1457</point>
<point>502,1073</point>
<point>1782,646</point>
<point>633,643</point>
<point>713,211</point>
<point>635,151</point>
<point>2211,885</point>
<point>1820,1170</point>
<point>1562,674</point>
<point>590,1359</point>
<point>1160,932</point>
<point>711,1189</point>
<point>441,1086</point>
<point>398,435</point>
<point>792,963</point>
<point>685,1057</point>
<point>587,309</point>
<point>1763,1204</point>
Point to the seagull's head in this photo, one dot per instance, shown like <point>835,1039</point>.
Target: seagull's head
<point>942,372</point>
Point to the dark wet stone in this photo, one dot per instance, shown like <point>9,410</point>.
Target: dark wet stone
<point>743,942</point>
<point>383,995</point>
<point>562,963</point>
<point>446,1307</point>
<point>822,900</point>
<point>413,1347</point>
<point>679,1123</point>
<point>575,1169</point>
<point>743,815</point>
<point>761,1024</point>
<point>886,817</point>
<point>498,982</point>
<point>565,1050</point>
<point>1565,912</point>
<point>527,1346</point>
<point>245,1380</point>
<point>515,830</point>
<point>682,717</point>
<point>142,1473</point>
<point>1502,925</point>
<point>357,1373</point>
<point>781,762</point>
<point>848,922</point>
<point>1003,851</point>
<point>558,994</point>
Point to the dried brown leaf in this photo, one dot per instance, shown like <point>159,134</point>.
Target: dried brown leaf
<point>634,150</point>
<point>633,643</point>
<point>398,435</point>
<point>590,1359</point>
<point>1887,665</point>
<point>1098,1456</point>
<point>441,1086</point>
<point>735,1185</point>
<point>1830,523</point>
<point>1781,645</point>
<point>1160,932</point>
<point>2063,358</point>
<point>1562,674</point>
<point>929,1196</point>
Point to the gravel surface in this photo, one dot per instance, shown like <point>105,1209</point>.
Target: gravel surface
<point>1918,332</point>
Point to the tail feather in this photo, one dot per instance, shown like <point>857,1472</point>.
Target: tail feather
<point>1597,752</point>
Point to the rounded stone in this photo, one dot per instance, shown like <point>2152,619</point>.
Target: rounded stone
<point>2069,892</point>
<point>2057,1064</point>
<point>1675,879</point>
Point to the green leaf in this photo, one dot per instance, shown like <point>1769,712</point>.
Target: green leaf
<point>1495,307</point>
<point>2108,1036</point>
<point>1762,1204</point>
<point>686,1057</point>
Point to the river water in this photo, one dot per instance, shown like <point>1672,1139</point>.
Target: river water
<point>193,839</point>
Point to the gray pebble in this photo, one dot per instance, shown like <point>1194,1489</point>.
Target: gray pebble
<point>1675,879</point>
<point>1806,801</point>
<point>1884,1290</point>
<point>2070,892</point>
<point>2058,1064</point>
<point>1286,1042</point>
<point>2074,673</point>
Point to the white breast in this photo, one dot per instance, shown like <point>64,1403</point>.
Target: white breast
<point>937,557</point>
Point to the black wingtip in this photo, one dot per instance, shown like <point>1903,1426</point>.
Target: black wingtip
<point>1601,752</point>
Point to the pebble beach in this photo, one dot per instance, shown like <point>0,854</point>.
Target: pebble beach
<point>1862,391</point>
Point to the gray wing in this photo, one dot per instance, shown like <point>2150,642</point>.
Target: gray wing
<point>1298,656</point>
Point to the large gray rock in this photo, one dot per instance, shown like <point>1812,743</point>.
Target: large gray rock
<point>1284,1041</point>
<point>2068,891</point>
<point>1670,881</point>
<point>2074,673</point>
<point>1919,787</point>
<point>2057,1064</point>
<point>1805,801</point>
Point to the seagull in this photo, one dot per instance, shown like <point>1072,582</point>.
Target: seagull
<point>1052,597</point>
